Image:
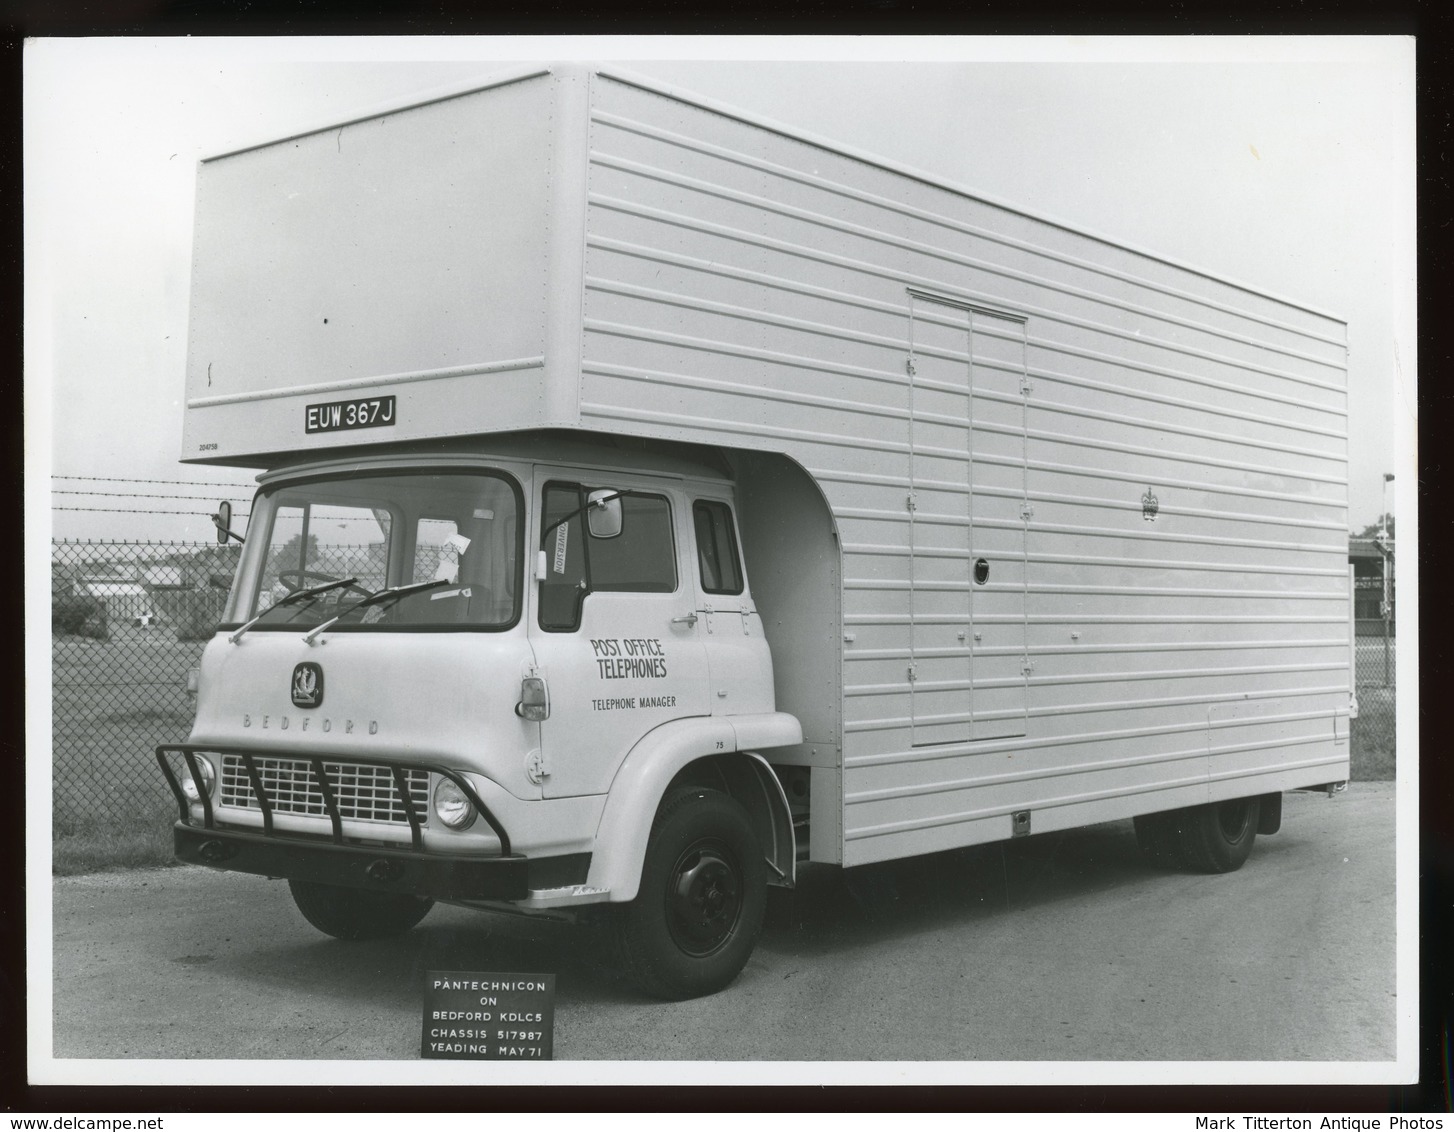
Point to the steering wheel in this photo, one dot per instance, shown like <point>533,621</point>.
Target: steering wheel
<point>295,580</point>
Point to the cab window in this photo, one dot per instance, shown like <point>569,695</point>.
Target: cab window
<point>721,569</point>
<point>640,559</point>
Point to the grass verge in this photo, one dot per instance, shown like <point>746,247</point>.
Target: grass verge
<point>106,846</point>
<point>1372,742</point>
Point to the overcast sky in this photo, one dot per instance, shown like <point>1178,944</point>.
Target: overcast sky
<point>1286,164</point>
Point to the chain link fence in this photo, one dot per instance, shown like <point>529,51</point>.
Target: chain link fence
<point>128,619</point>
<point>1374,731</point>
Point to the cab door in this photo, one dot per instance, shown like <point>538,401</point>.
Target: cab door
<point>612,624</point>
<point>739,661</point>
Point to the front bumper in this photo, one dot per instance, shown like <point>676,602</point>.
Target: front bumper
<point>355,866</point>
<point>343,861</point>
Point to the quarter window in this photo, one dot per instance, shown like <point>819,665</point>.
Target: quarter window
<point>716,548</point>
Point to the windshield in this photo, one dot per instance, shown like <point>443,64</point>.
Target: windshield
<point>449,541</point>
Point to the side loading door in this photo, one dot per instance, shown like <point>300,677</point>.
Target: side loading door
<point>612,624</point>
<point>967,518</point>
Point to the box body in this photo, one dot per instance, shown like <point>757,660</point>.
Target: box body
<point>1070,519</point>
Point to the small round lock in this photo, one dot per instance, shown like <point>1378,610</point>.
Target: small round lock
<point>981,571</point>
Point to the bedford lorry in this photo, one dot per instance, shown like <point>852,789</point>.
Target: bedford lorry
<point>654,500</point>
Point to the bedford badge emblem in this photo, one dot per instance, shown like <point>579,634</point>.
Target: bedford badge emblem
<point>308,685</point>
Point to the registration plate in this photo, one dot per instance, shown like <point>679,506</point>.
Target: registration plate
<point>336,416</point>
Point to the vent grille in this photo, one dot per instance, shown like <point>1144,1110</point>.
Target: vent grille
<point>363,793</point>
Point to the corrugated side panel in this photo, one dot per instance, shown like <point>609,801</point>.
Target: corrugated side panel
<point>744,288</point>
<point>403,255</point>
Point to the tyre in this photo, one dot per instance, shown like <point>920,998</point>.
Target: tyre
<point>353,913</point>
<point>698,913</point>
<point>1217,838</point>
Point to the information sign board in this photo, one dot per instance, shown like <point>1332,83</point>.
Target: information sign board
<point>488,1016</point>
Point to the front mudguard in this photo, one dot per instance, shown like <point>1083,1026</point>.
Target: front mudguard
<point>652,765</point>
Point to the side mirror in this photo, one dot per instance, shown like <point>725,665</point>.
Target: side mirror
<point>603,513</point>
<point>223,522</point>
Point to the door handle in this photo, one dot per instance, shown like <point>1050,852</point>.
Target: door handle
<point>686,619</point>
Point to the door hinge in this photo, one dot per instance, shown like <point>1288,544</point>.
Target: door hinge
<point>1026,388</point>
<point>909,367</point>
<point>913,673</point>
<point>912,502</point>
<point>1026,512</point>
<point>1027,666</point>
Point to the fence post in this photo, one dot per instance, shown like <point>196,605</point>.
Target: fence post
<point>1386,608</point>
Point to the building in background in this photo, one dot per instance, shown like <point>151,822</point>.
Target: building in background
<point>1369,562</point>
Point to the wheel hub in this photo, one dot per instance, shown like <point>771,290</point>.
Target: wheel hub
<point>704,899</point>
<point>1232,817</point>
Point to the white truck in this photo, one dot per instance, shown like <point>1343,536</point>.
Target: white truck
<point>655,500</point>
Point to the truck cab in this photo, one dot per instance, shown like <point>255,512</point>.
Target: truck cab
<point>478,676</point>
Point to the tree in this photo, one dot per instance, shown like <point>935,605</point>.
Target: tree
<point>285,557</point>
<point>1375,528</point>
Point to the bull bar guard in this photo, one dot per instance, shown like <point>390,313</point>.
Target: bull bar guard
<point>337,861</point>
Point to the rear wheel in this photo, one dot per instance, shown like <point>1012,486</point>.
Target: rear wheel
<point>353,913</point>
<point>698,913</point>
<point>1217,837</point>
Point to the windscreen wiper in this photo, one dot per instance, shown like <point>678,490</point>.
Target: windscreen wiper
<point>375,599</point>
<point>290,599</point>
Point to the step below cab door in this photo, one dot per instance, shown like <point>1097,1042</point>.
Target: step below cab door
<point>612,623</point>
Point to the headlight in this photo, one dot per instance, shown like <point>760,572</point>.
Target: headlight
<point>209,776</point>
<point>452,805</point>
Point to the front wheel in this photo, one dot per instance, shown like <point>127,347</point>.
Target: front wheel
<point>703,893</point>
<point>353,913</point>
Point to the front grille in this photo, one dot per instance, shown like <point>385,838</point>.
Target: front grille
<point>362,793</point>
